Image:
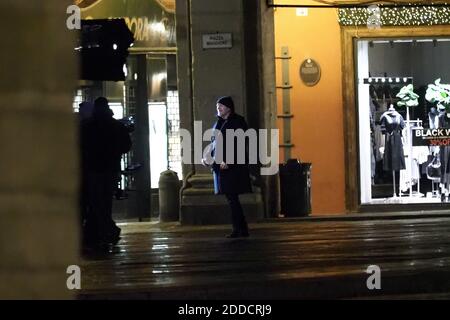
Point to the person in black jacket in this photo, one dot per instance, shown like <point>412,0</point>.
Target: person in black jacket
<point>231,179</point>
<point>103,141</point>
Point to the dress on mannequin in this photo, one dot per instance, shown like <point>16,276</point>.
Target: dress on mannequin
<point>433,121</point>
<point>392,124</point>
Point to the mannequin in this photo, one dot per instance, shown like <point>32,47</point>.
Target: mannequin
<point>392,124</point>
<point>444,155</point>
<point>433,118</point>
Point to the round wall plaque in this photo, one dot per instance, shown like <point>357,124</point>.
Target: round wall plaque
<point>310,72</point>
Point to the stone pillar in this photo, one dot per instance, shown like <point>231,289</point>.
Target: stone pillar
<point>184,71</point>
<point>39,155</point>
<point>260,79</point>
<point>142,204</point>
<point>268,101</point>
<point>204,75</point>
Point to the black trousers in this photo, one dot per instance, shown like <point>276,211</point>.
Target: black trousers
<point>237,214</point>
<point>99,224</point>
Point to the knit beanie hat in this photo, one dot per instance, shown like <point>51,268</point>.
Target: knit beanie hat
<point>85,109</point>
<point>101,108</point>
<point>227,101</point>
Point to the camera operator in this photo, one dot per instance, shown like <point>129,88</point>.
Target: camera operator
<point>103,140</point>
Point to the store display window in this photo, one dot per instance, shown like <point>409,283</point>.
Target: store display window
<point>403,104</point>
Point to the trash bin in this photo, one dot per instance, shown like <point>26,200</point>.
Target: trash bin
<point>169,196</point>
<point>295,188</point>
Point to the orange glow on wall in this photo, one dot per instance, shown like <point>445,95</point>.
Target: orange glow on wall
<point>317,126</point>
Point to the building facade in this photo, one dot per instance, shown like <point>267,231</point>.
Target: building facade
<point>363,59</point>
<point>168,63</point>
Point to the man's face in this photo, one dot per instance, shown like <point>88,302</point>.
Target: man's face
<point>222,111</point>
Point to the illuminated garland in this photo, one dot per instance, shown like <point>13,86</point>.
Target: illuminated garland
<point>401,16</point>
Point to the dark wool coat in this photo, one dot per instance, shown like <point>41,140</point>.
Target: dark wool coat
<point>235,179</point>
<point>103,141</point>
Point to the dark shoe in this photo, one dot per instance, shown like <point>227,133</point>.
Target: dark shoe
<point>233,235</point>
<point>111,239</point>
<point>240,234</point>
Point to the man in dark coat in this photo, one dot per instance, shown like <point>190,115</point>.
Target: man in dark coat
<point>231,179</point>
<point>103,141</point>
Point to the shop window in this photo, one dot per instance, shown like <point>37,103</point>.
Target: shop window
<point>395,167</point>
<point>117,109</point>
<point>77,99</point>
<point>173,126</point>
<point>157,113</point>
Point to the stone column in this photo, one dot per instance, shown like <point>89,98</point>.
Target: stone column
<point>39,155</point>
<point>268,101</point>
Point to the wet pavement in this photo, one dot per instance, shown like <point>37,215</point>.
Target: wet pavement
<point>295,260</point>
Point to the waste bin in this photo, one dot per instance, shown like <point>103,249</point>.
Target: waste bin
<point>295,188</point>
<point>169,196</point>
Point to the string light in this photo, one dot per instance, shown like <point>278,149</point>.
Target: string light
<point>371,80</point>
<point>397,16</point>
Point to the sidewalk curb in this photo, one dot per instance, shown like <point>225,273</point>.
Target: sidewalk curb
<point>363,216</point>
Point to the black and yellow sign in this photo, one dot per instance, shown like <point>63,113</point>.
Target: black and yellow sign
<point>152,22</point>
<point>431,137</point>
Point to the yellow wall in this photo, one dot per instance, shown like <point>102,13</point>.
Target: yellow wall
<point>317,128</point>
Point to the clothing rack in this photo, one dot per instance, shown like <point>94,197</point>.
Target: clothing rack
<point>410,124</point>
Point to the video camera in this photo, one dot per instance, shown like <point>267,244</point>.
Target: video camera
<point>128,122</point>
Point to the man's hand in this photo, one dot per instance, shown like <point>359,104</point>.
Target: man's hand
<point>223,166</point>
